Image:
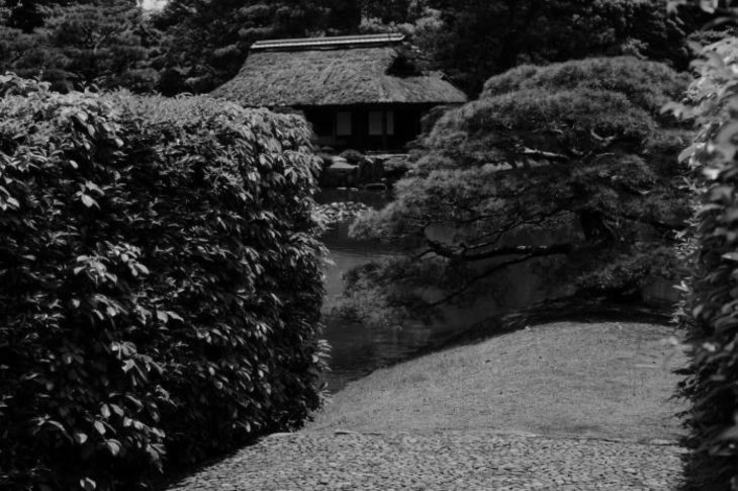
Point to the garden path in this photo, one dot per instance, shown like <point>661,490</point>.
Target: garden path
<point>565,406</point>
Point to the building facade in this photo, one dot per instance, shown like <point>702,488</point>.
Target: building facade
<point>358,92</point>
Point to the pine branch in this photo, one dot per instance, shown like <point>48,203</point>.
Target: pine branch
<point>477,278</point>
<point>462,252</point>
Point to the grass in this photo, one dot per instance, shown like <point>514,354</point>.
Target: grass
<point>600,380</point>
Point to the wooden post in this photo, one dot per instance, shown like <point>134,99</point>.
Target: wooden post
<point>385,141</point>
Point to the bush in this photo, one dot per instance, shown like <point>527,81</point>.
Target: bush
<point>712,311</point>
<point>160,284</point>
<point>353,157</point>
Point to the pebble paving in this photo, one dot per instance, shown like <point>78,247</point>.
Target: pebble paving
<point>438,424</point>
<point>440,461</point>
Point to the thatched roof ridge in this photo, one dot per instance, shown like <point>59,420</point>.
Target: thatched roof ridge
<point>327,42</point>
<point>344,75</point>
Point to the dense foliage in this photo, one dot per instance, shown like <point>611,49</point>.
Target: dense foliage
<point>206,43</point>
<point>28,15</point>
<point>108,44</point>
<point>194,46</point>
<point>711,309</point>
<point>160,283</point>
<point>470,40</point>
<point>567,165</point>
<point>482,38</point>
<point>708,309</point>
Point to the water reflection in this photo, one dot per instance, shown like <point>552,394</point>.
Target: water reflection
<point>358,349</point>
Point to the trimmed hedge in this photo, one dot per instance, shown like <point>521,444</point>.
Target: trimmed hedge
<point>160,283</point>
<point>711,311</point>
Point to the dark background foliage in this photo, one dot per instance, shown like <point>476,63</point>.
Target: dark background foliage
<point>194,46</point>
<point>73,45</point>
<point>160,283</point>
<point>483,38</point>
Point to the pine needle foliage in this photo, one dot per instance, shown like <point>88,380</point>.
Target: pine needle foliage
<point>566,166</point>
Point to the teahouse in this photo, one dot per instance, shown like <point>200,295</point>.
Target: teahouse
<point>358,92</point>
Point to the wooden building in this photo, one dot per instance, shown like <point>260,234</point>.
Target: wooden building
<point>358,92</point>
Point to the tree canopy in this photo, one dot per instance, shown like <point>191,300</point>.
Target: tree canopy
<point>206,43</point>
<point>471,40</point>
<point>108,44</point>
<point>570,164</point>
<point>28,15</point>
<point>194,46</point>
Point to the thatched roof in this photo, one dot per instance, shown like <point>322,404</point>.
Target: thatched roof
<point>333,71</point>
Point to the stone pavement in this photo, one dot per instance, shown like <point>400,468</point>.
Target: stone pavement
<point>457,460</point>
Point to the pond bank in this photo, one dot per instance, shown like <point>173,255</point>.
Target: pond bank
<point>606,380</point>
<point>358,349</point>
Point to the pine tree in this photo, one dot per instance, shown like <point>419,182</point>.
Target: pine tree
<point>568,166</point>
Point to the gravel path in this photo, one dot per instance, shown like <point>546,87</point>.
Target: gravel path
<point>440,462</point>
<point>564,406</point>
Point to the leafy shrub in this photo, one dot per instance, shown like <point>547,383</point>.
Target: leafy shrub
<point>353,156</point>
<point>160,284</point>
<point>712,311</point>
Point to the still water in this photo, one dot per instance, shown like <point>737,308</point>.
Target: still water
<point>357,349</point>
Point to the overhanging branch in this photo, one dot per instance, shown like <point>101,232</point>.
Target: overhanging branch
<point>532,252</point>
<point>650,221</point>
<point>474,279</point>
<point>464,253</point>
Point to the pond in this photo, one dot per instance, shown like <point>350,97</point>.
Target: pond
<point>357,349</point>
